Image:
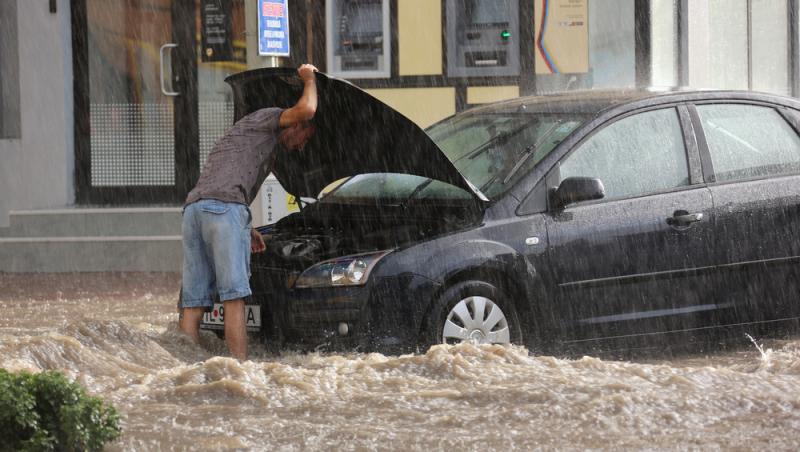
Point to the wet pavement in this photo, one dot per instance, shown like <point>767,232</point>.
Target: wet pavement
<point>115,333</point>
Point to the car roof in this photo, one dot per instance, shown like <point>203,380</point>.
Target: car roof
<point>594,101</point>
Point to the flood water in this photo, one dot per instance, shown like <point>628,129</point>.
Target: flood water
<point>116,335</point>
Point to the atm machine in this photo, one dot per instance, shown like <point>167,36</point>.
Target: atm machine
<point>358,38</point>
<point>482,38</point>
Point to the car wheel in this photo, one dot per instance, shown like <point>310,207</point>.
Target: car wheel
<point>473,311</point>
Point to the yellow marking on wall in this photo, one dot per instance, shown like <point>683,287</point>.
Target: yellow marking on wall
<point>419,28</point>
<point>487,94</point>
<point>424,106</point>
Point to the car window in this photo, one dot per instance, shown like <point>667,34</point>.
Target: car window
<point>639,154</point>
<point>748,141</point>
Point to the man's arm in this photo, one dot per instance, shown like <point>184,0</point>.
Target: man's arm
<point>305,108</point>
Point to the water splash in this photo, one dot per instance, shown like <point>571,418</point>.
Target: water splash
<point>764,355</point>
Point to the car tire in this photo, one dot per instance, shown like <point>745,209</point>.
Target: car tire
<point>454,316</point>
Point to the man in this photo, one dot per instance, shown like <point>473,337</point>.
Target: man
<point>217,235</point>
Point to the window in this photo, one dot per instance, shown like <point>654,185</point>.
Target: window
<point>748,141</point>
<point>769,46</point>
<point>664,42</point>
<point>612,42</point>
<point>748,44</point>
<point>728,43</point>
<point>639,154</point>
<point>9,71</point>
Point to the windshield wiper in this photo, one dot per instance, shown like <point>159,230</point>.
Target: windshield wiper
<point>490,143</point>
<point>418,189</point>
<point>523,156</point>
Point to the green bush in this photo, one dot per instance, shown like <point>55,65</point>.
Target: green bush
<point>46,411</point>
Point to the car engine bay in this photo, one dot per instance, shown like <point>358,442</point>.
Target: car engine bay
<point>321,232</point>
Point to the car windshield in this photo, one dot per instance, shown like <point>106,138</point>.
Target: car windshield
<point>388,188</point>
<point>494,150</point>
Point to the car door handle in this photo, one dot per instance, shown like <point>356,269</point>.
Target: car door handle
<point>684,218</point>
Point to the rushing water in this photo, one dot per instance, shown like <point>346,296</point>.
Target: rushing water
<point>116,335</point>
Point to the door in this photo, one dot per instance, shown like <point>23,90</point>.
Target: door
<point>633,262</point>
<point>148,102</point>
<point>753,158</point>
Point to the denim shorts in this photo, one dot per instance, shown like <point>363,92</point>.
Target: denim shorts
<point>216,252</point>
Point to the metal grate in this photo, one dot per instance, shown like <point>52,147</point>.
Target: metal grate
<point>132,145</point>
<point>215,119</point>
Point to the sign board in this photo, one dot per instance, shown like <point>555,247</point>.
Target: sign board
<point>562,36</point>
<point>216,30</point>
<point>275,202</point>
<point>273,27</point>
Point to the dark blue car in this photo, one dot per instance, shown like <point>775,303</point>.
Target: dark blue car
<point>558,219</point>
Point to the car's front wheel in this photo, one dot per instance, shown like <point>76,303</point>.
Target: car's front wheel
<point>473,311</point>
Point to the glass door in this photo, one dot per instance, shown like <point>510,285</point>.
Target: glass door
<point>217,57</point>
<point>149,103</point>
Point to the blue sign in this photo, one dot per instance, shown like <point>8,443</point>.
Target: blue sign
<point>273,27</point>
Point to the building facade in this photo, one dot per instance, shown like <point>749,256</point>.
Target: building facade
<point>117,102</point>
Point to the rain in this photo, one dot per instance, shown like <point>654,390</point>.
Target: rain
<point>518,224</point>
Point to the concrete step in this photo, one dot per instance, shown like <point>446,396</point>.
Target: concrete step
<point>89,240</point>
<point>91,254</point>
<point>81,222</point>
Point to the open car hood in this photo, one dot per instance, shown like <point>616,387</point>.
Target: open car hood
<point>355,134</point>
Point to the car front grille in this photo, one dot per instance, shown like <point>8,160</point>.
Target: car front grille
<point>311,317</point>
<point>323,312</point>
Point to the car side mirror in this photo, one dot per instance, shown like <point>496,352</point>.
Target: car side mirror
<point>577,189</point>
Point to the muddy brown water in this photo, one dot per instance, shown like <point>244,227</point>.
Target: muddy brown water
<point>116,335</point>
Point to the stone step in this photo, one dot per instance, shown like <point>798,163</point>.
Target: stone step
<point>82,222</point>
<point>92,239</point>
<point>91,254</point>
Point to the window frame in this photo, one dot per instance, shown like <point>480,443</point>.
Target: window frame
<point>789,115</point>
<point>693,163</point>
<point>10,102</point>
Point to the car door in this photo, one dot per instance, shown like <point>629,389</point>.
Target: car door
<point>752,157</point>
<point>634,262</point>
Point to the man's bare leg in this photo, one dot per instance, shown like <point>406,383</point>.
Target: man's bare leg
<point>190,322</point>
<point>235,329</point>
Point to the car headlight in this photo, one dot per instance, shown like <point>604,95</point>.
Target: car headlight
<point>342,271</point>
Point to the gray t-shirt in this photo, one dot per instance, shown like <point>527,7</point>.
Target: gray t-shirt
<point>240,160</point>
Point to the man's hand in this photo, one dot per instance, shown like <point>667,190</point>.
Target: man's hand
<point>306,72</point>
<point>256,242</point>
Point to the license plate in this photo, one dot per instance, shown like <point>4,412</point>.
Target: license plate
<point>215,320</point>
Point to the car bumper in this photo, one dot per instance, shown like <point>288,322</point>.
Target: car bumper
<point>385,315</point>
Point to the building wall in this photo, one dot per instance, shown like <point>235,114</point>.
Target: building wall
<point>728,44</point>
<point>419,24</point>
<point>36,169</point>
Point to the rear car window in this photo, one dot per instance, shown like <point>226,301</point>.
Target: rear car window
<point>639,154</point>
<point>749,141</point>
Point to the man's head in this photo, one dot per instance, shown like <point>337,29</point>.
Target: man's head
<point>297,135</point>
